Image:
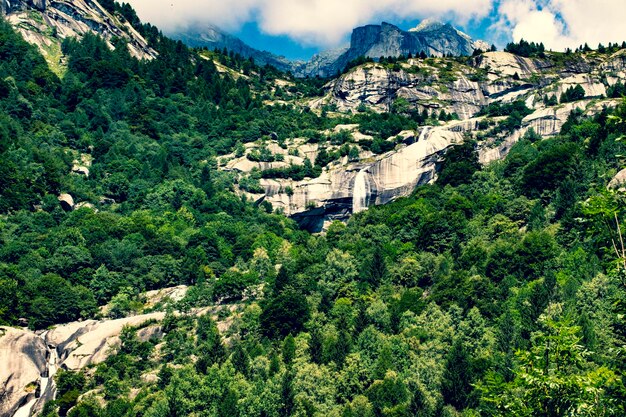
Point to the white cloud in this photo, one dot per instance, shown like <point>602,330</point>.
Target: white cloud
<point>560,24</point>
<point>316,22</point>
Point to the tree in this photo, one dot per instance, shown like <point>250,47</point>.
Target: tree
<point>389,396</point>
<point>460,164</point>
<point>69,386</point>
<point>289,350</point>
<point>286,313</point>
<point>458,377</point>
<point>554,377</point>
<point>376,269</point>
<point>209,343</point>
<point>240,359</point>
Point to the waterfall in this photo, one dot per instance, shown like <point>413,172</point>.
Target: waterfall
<point>51,370</point>
<point>361,191</point>
<point>424,133</point>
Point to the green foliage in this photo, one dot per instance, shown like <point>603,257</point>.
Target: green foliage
<point>460,164</point>
<point>573,94</point>
<point>526,49</point>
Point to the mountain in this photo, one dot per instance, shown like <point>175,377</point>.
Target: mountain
<point>431,37</point>
<point>374,41</point>
<point>212,37</point>
<point>46,24</point>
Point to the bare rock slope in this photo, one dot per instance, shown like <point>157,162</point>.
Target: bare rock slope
<point>23,358</point>
<point>46,23</point>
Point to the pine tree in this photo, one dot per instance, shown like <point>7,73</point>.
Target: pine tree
<point>457,377</point>
<point>289,350</point>
<point>377,268</point>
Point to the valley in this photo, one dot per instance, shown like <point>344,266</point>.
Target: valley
<point>417,225</point>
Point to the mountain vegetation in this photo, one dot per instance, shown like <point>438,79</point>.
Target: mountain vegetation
<point>498,290</point>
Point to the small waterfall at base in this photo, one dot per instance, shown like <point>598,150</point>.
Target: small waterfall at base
<point>361,191</point>
<point>51,369</point>
<point>423,134</point>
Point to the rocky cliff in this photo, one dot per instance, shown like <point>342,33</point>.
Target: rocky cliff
<point>464,87</point>
<point>46,23</point>
<point>29,360</point>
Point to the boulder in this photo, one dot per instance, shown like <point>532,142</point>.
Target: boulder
<point>618,181</point>
<point>67,202</point>
<point>84,204</point>
<point>80,170</point>
<point>106,201</point>
<point>172,294</point>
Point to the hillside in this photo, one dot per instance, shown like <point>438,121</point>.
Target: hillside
<point>471,260</point>
<point>46,24</point>
<point>212,37</point>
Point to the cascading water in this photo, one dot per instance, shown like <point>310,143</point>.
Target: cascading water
<point>423,134</point>
<point>361,191</point>
<point>26,409</point>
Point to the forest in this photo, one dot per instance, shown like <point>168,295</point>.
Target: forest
<point>499,290</point>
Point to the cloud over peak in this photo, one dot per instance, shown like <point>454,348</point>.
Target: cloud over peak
<point>326,23</point>
<point>313,22</point>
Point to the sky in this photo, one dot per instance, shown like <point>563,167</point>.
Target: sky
<point>299,28</point>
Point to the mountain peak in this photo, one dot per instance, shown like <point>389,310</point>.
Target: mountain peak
<point>428,25</point>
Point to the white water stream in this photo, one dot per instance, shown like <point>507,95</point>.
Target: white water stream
<point>26,409</point>
<point>423,134</point>
<point>361,191</point>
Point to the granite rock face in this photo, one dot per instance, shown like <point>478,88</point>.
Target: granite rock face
<point>90,342</point>
<point>46,24</point>
<point>333,195</point>
<point>23,357</point>
<point>465,87</point>
<point>346,187</point>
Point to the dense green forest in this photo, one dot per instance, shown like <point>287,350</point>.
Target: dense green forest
<point>497,291</point>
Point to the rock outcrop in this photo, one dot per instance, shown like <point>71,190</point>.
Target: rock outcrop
<point>67,202</point>
<point>467,87</point>
<point>618,181</point>
<point>545,122</point>
<point>28,360</point>
<point>346,186</point>
<point>333,196</point>
<point>23,358</point>
<point>90,342</point>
